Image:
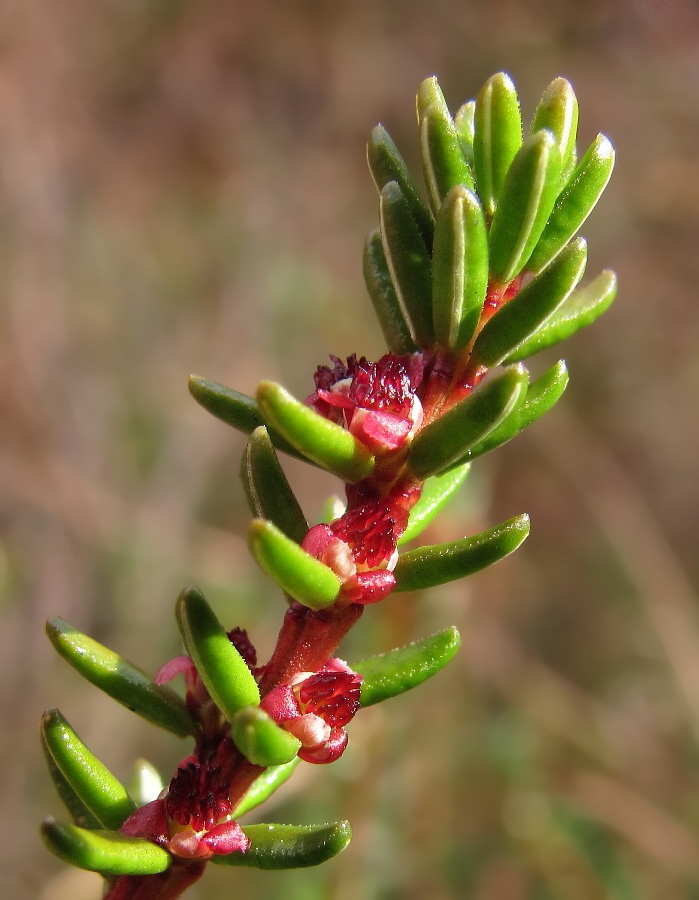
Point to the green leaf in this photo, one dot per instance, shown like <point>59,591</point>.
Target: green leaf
<point>558,112</point>
<point>268,491</point>
<point>428,567</point>
<point>437,491</point>
<point>298,573</point>
<point>80,814</point>
<point>542,394</point>
<point>119,678</point>
<point>497,138</point>
<point>408,262</point>
<point>264,786</point>
<point>386,164</point>
<point>575,202</point>
<point>429,93</point>
<point>443,162</point>
<point>393,322</point>
<point>579,310</point>
<point>525,203</point>
<point>223,670</point>
<point>328,445</point>
<point>464,121</point>
<point>237,410</point>
<point>261,741</point>
<point>400,670</point>
<point>98,790</point>
<point>107,852</point>
<point>444,441</point>
<point>460,268</point>
<point>520,318</point>
<point>289,846</point>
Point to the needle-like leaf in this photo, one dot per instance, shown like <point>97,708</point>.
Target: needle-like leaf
<point>328,445</point>
<point>525,203</point>
<point>107,852</point>
<point>428,567</point>
<point>121,679</point>
<point>267,488</point>
<point>460,268</point>
<point>497,137</point>
<point>298,573</point>
<point>223,670</point>
<point>289,846</point>
<point>100,791</point>
<point>392,673</point>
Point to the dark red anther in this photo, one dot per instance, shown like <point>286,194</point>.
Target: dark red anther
<point>388,385</point>
<point>334,696</point>
<point>369,532</point>
<point>198,797</point>
<point>242,643</point>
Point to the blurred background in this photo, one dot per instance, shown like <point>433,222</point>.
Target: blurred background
<point>183,189</point>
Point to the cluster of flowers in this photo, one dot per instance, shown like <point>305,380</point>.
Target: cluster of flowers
<point>378,404</point>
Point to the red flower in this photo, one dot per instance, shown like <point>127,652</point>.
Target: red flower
<point>315,707</point>
<point>361,547</point>
<point>193,819</point>
<point>376,402</point>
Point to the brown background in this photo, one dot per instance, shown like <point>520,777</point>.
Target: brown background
<point>183,188</point>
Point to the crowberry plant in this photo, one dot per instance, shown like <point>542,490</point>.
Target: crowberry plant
<point>465,287</point>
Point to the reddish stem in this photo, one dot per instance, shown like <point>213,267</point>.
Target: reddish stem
<point>166,886</point>
<point>307,640</point>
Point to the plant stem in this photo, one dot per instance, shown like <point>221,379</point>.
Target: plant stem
<point>166,886</point>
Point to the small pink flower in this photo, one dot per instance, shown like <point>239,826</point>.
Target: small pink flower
<point>315,707</point>
<point>361,547</point>
<point>376,402</point>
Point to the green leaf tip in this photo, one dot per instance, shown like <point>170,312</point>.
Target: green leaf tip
<point>386,164</point>
<point>428,567</point>
<point>575,202</point>
<point>443,162</point>
<point>392,673</point>
<point>79,813</point>
<point>558,113</point>
<point>266,486</point>
<point>261,741</point>
<point>121,679</point>
<point>106,852</point>
<point>497,137</point>
<point>464,120</point>
<point>323,442</point>
<point>223,670</point>
<point>98,790</point>
<point>235,409</point>
<point>289,846</point>
<point>299,574</point>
